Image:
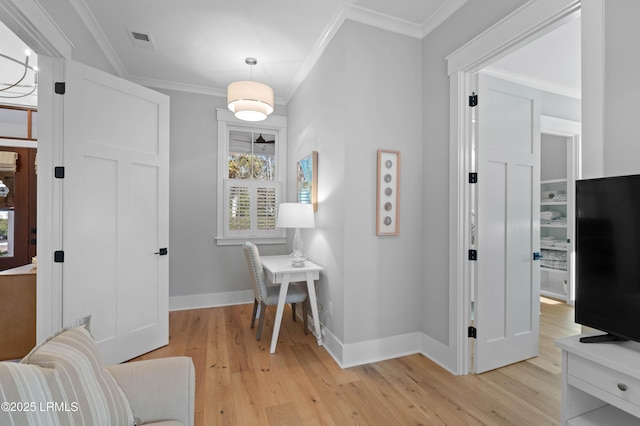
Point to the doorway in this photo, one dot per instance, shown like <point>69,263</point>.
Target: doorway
<point>18,198</point>
<point>511,266</point>
<point>532,20</point>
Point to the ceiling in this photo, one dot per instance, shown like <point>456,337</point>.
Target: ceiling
<point>201,45</point>
<point>201,48</point>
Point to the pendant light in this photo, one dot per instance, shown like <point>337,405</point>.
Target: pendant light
<point>250,100</point>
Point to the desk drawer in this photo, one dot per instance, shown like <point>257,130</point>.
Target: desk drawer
<point>610,381</point>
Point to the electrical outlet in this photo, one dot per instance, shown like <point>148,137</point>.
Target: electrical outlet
<point>330,309</point>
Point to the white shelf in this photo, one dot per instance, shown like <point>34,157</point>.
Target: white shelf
<point>553,270</point>
<point>553,248</point>
<point>546,182</point>
<point>553,225</point>
<point>554,282</point>
<point>607,415</point>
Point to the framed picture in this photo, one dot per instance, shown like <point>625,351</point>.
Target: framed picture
<point>388,196</point>
<point>307,180</point>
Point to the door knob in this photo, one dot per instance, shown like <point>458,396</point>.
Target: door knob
<point>163,251</point>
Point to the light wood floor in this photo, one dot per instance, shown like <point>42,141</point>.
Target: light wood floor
<point>239,383</point>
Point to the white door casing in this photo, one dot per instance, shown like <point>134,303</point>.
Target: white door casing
<point>115,211</point>
<point>508,233</point>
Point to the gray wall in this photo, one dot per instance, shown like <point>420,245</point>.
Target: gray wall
<point>553,157</point>
<point>347,109</point>
<point>622,88</point>
<point>197,265</point>
<point>469,21</point>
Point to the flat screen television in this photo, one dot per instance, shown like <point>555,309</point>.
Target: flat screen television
<point>608,256</point>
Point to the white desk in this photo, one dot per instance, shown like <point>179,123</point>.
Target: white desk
<point>279,271</point>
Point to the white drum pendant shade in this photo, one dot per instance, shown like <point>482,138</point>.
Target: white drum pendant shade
<point>250,100</point>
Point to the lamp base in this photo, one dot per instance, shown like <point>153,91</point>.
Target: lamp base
<point>297,260</point>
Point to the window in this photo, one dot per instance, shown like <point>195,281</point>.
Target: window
<point>251,179</point>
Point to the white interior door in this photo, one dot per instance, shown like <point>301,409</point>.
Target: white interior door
<point>115,211</point>
<point>508,193</point>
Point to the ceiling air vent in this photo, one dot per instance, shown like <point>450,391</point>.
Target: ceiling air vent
<point>141,40</point>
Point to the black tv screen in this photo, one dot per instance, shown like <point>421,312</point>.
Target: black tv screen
<point>608,255</point>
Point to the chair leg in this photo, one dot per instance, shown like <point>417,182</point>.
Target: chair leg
<point>304,315</point>
<point>293,311</point>
<point>255,310</point>
<point>263,312</point>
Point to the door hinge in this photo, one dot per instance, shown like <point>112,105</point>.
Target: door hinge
<point>472,332</point>
<point>58,172</point>
<point>58,256</point>
<point>473,254</point>
<point>60,87</point>
<point>473,177</point>
<point>473,100</point>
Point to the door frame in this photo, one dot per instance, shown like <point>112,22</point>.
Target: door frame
<point>524,25</point>
<point>27,20</point>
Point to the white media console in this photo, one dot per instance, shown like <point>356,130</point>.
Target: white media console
<point>600,383</point>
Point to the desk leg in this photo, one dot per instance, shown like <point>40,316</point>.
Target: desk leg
<point>311,290</point>
<point>284,287</point>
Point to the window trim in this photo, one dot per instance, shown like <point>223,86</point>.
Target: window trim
<point>226,122</point>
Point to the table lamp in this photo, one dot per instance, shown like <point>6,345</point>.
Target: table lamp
<point>296,215</point>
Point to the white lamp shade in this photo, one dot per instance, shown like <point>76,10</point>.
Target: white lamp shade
<point>250,100</point>
<point>295,215</point>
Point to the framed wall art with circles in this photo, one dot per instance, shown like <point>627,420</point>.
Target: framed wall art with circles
<point>388,193</point>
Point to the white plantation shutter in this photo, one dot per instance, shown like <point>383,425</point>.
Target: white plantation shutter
<point>238,206</point>
<point>251,208</point>
<point>266,205</point>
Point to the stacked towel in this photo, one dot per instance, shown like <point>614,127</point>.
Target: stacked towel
<point>557,196</point>
<point>550,214</point>
<point>8,161</point>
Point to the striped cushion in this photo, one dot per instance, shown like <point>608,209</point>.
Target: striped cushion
<point>62,382</point>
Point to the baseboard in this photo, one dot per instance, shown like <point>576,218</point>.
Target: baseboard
<point>380,349</point>
<point>354,354</point>
<point>437,352</point>
<point>210,300</point>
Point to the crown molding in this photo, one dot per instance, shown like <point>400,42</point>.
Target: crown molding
<point>383,21</point>
<point>89,20</point>
<point>441,15</point>
<point>543,85</point>
<point>31,22</point>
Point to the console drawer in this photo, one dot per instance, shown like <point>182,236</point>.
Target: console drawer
<point>613,382</point>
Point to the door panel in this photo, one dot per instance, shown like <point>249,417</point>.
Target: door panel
<point>507,285</point>
<point>115,211</point>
